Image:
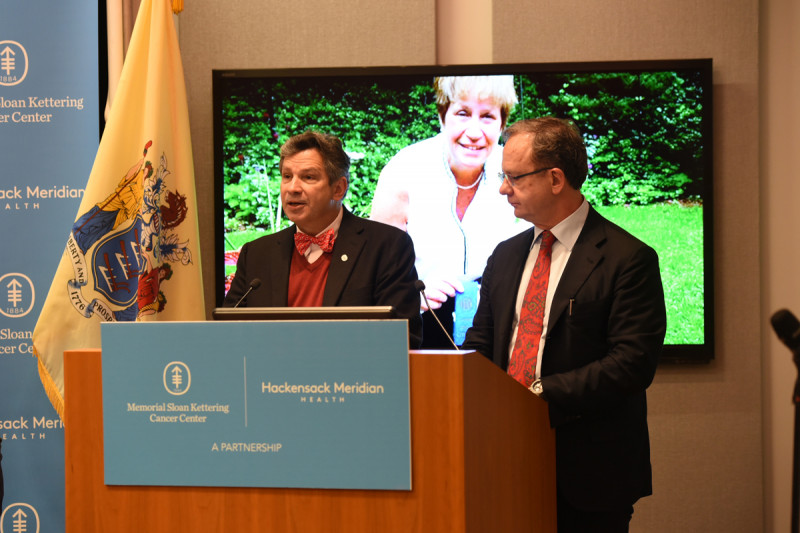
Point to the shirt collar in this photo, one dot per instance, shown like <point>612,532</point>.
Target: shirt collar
<point>568,230</point>
<point>334,225</point>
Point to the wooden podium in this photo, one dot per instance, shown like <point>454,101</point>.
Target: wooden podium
<point>482,455</point>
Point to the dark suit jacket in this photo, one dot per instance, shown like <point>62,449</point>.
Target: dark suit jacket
<point>371,264</point>
<point>598,359</point>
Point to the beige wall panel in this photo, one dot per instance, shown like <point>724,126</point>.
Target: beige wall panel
<point>463,32</point>
<point>705,420</point>
<point>780,246</point>
<point>721,509</point>
<point>272,34</point>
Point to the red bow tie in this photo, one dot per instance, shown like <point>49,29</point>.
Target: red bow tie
<point>325,241</point>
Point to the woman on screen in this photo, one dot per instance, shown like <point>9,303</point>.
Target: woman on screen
<point>444,190</point>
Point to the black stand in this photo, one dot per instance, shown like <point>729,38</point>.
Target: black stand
<point>796,461</point>
<point>787,327</point>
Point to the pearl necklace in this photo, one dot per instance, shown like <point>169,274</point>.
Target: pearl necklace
<point>465,187</point>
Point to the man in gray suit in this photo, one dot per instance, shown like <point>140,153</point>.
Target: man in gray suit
<point>330,257</point>
<point>593,350</point>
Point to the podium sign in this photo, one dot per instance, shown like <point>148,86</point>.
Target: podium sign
<point>257,404</point>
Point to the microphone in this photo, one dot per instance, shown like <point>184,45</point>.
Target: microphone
<point>420,286</point>
<point>254,284</point>
<point>787,327</point>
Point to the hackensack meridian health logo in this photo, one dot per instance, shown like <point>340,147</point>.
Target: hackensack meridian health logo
<point>13,63</point>
<point>177,378</point>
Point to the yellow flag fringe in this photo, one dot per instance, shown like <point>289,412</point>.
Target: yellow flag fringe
<point>50,388</point>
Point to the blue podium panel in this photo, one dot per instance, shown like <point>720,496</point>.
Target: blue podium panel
<point>314,404</point>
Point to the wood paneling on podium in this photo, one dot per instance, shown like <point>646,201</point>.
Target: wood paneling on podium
<point>483,459</point>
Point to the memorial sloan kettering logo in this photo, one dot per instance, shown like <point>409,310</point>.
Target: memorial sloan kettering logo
<point>17,295</point>
<point>19,517</point>
<point>13,63</point>
<point>177,378</point>
<point>25,110</point>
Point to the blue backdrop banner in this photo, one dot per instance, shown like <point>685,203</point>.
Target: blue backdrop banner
<point>49,116</point>
<point>317,404</point>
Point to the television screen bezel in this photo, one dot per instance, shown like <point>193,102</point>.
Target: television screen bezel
<point>672,353</point>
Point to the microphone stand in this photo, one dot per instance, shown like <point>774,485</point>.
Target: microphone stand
<point>420,286</point>
<point>787,327</point>
<point>796,459</point>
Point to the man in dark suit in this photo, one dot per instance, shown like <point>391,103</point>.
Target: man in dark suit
<point>600,332</point>
<point>330,257</point>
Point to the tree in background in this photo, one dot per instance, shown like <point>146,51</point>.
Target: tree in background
<point>643,132</point>
<point>374,122</point>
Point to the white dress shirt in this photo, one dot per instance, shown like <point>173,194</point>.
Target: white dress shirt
<point>566,233</point>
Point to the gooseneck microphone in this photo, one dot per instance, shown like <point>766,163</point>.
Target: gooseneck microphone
<point>420,286</point>
<point>254,284</point>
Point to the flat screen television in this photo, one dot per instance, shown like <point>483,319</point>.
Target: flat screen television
<point>646,124</point>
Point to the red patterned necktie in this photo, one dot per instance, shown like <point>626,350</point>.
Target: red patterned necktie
<point>522,366</point>
<point>324,240</point>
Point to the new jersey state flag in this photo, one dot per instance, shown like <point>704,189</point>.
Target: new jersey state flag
<point>132,252</point>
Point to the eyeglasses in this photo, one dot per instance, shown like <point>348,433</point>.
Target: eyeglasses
<point>512,180</point>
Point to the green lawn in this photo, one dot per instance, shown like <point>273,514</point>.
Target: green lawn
<point>236,239</point>
<point>676,233</point>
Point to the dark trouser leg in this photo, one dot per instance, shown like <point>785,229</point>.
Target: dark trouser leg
<point>573,520</point>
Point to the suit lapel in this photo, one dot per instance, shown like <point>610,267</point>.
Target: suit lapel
<point>508,285</point>
<point>586,256</point>
<point>280,264</point>
<point>348,246</point>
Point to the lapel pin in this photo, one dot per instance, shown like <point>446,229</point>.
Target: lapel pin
<point>344,257</point>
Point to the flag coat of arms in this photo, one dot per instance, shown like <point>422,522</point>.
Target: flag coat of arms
<point>133,251</point>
